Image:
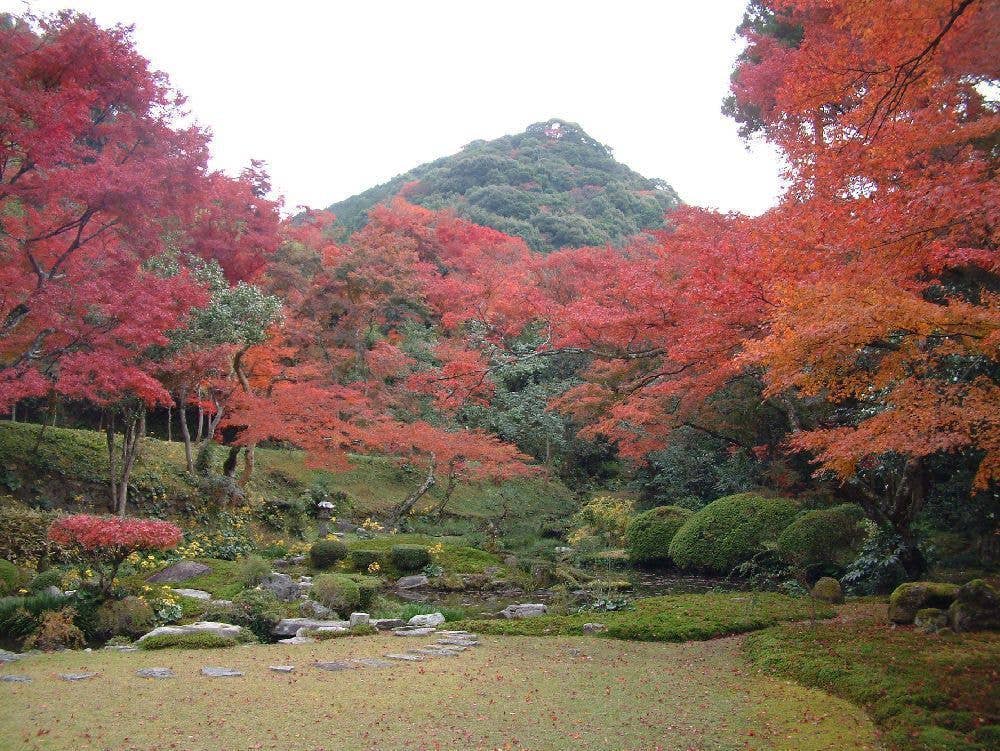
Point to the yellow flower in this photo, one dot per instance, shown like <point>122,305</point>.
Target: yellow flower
<point>22,591</point>
<point>374,568</point>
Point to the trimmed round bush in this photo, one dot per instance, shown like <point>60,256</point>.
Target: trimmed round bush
<point>368,589</point>
<point>730,531</point>
<point>409,558</point>
<point>648,535</point>
<point>187,641</point>
<point>337,592</point>
<point>362,559</point>
<point>824,536</point>
<point>828,589</point>
<point>9,578</point>
<point>326,553</point>
<point>127,617</point>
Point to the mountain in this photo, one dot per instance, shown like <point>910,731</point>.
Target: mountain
<point>552,185</point>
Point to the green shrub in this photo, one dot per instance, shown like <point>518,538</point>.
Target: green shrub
<point>649,534</point>
<point>19,616</point>
<point>56,631</point>
<point>187,641</point>
<point>10,578</point>
<point>730,531</point>
<point>824,536</point>
<point>51,578</point>
<point>252,570</point>
<point>361,559</point>
<point>368,588</point>
<point>326,553</point>
<point>337,592</point>
<point>127,617</point>
<point>257,610</point>
<point>409,558</point>
<point>23,534</point>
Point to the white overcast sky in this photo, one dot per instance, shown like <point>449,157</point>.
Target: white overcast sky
<point>337,96</point>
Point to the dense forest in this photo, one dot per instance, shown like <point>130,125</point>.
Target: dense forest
<point>552,185</point>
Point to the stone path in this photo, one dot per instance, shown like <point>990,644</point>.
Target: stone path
<point>448,644</point>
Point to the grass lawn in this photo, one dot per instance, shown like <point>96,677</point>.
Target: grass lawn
<point>671,618</point>
<point>937,692</point>
<point>523,693</point>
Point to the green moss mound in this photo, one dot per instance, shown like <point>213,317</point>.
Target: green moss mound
<point>409,558</point>
<point>911,597</point>
<point>327,553</point>
<point>649,534</point>
<point>824,536</point>
<point>828,589</point>
<point>729,531</point>
<point>187,641</point>
<point>337,592</point>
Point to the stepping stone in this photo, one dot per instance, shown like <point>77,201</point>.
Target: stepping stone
<point>197,594</point>
<point>335,665</point>
<point>15,678</point>
<point>405,657</point>
<point>432,652</point>
<point>372,662</point>
<point>453,642</point>
<point>282,668</point>
<point>446,632</point>
<point>6,656</point>
<point>414,631</point>
<point>297,640</point>
<point>76,676</point>
<point>155,673</point>
<point>456,648</point>
<point>221,672</point>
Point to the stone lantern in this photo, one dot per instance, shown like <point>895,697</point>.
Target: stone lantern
<point>324,512</point>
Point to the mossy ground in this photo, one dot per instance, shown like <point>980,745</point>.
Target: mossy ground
<point>527,693</point>
<point>928,692</point>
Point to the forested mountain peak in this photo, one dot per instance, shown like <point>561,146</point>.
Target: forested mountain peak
<point>553,185</point>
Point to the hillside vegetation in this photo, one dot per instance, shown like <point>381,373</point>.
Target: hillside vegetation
<point>552,185</point>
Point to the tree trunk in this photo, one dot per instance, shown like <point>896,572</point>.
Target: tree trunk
<point>13,412</point>
<point>197,437</point>
<point>109,432</point>
<point>411,500</point>
<point>248,457</point>
<point>170,424</point>
<point>185,432</point>
<point>229,466</point>
<point>134,429</point>
<point>248,464</point>
<point>449,488</point>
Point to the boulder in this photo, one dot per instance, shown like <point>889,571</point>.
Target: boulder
<point>426,621</point>
<point>908,598</point>
<point>412,582</point>
<point>360,619</point>
<point>930,620</point>
<point>828,589</point>
<point>281,585</point>
<point>593,628</point>
<point>290,626</point>
<point>53,591</point>
<point>197,594</point>
<point>976,608</point>
<point>201,627</point>
<point>388,624</point>
<point>525,610</point>
<point>179,572</point>
<point>313,609</point>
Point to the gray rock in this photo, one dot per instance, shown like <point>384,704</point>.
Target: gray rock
<point>281,585</point>
<point>313,609</point>
<point>360,619</point>
<point>297,640</point>
<point>930,620</point>
<point>197,594</point>
<point>414,631</point>
<point>335,665</point>
<point>593,628</point>
<point>412,582</point>
<point>155,673</point>
<point>526,610</point>
<point>6,656</point>
<point>404,657</point>
<point>76,676</point>
<point>427,652</point>
<point>388,624</point>
<point>423,621</point>
<point>976,608</point>
<point>53,591</point>
<point>212,672</point>
<point>459,641</point>
<point>15,678</point>
<point>282,668</point>
<point>290,626</point>
<point>325,630</point>
<point>179,572</point>
<point>201,627</point>
<point>371,662</point>
<point>120,648</point>
<point>297,560</point>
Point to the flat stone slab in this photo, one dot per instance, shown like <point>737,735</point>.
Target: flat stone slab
<point>432,652</point>
<point>201,627</point>
<point>76,676</point>
<point>448,647</point>
<point>289,626</point>
<point>15,678</point>
<point>412,582</point>
<point>6,656</point>
<point>197,594</point>
<point>179,572</point>
<point>404,656</point>
<point>335,665</point>
<point>155,673</point>
<point>446,632</point>
<point>452,641</point>
<point>388,624</point>
<point>372,662</point>
<point>282,668</point>
<point>414,631</point>
<point>297,640</point>
<point>221,672</point>
<point>119,648</point>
